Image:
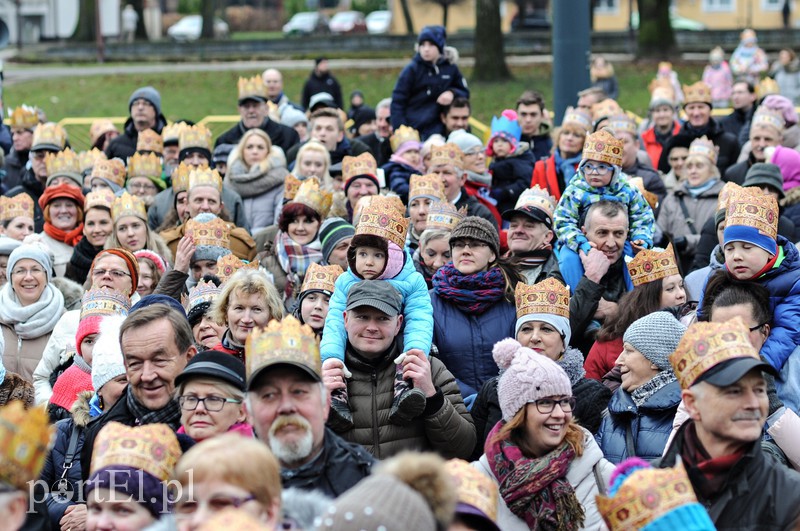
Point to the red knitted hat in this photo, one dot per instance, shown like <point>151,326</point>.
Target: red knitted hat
<point>130,261</point>
<point>69,385</point>
<point>66,191</point>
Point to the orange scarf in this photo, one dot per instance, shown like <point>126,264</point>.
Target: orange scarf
<point>71,238</point>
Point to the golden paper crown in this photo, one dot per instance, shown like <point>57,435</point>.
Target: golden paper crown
<point>144,165</point>
<point>23,117</point>
<point>149,141</point>
<point>645,496</point>
<point>537,197</point>
<point>364,201</point>
<point>605,108</point>
<point>443,215</point>
<point>205,176</point>
<point>25,439</point>
<point>402,135</point>
<point>651,264</point>
<point>446,154</point>
<point>102,198</point>
<point>152,448</point>
<point>128,205</point>
<point>577,117</point>
<point>180,177</point>
<point>725,195</point>
<point>229,264</point>
<point>20,205</point>
<point>49,136</point>
<point>99,128</point>
<point>661,88</point>
<point>751,207</point>
<point>290,187</point>
<point>650,197</point>
<point>768,117</point>
<point>88,159</point>
<point>699,92</point>
<point>622,123</point>
<point>285,341</point>
<point>104,301</point>
<point>548,296</point>
<point>766,87</point>
<point>113,170</point>
<point>252,87</point>
<point>430,186</point>
<point>473,487</point>
<point>381,218</point>
<point>63,162</point>
<point>603,146</point>
<point>194,136</point>
<point>202,292</point>
<point>706,345</point>
<point>172,132</point>
<point>310,195</point>
<point>363,164</point>
<point>215,232</point>
<point>321,277</point>
<point>705,148</point>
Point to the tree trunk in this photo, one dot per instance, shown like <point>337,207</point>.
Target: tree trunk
<point>85,30</point>
<point>490,57</point>
<point>207,10</point>
<point>445,8</point>
<point>407,17</point>
<point>656,37</point>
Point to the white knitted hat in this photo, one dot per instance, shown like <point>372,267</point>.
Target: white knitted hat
<point>107,361</point>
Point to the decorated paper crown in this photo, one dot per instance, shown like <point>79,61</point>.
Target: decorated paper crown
<point>290,187</point>
<point>503,124</point>
<point>364,201</point>
<point>750,207</point>
<point>725,195</point>
<point>17,206</point>
<point>144,165</point>
<point>768,117</point>
<point>430,186</point>
<point>577,117</point>
<point>321,278</point>
<point>285,341</point>
<point>252,88</point>
<point>202,292</point>
<point>180,177</point>
<point>104,301</point>
<point>215,232</point>
<point>25,439</point>
<point>23,117</point>
<point>766,87</point>
<point>605,108</point>
<point>99,128</point>
<point>706,345</point>
<point>443,215</point>
<point>310,195</point>
<point>112,170</point>
<point>363,164</point>
<point>446,154</point>
<point>152,448</point>
<point>622,123</point>
<point>149,141</point>
<point>205,176</point>
<point>101,198</point>
<point>705,148</point>
<point>473,487</point>
<point>548,296</point>
<point>62,163</point>
<point>229,264</point>
<point>604,147</point>
<point>194,136</point>
<point>402,135</point>
<point>650,264</point>
<point>128,205</point>
<point>172,132</point>
<point>699,92</point>
<point>381,218</point>
<point>88,159</point>
<point>49,136</point>
<point>536,197</point>
<point>650,197</point>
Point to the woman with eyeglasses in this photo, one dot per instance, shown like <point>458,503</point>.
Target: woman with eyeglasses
<point>131,230</point>
<point>210,392</point>
<point>62,206</point>
<point>546,466</point>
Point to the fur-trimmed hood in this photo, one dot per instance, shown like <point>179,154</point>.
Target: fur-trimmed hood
<point>450,54</point>
<point>80,409</point>
<point>792,197</point>
<point>72,292</point>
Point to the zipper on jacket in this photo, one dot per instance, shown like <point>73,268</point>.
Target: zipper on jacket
<point>375,431</point>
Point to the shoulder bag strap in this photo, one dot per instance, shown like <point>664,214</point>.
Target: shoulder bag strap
<point>72,447</point>
<point>689,220</point>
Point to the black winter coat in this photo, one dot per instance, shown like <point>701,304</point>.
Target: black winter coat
<point>726,142</point>
<point>510,176</point>
<point>81,261</point>
<point>345,148</point>
<point>324,83</point>
<point>15,168</point>
<point>124,145</point>
<point>33,187</point>
<point>282,136</point>
<point>380,149</point>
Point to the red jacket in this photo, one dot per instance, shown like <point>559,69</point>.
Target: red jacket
<point>602,358</point>
<point>652,146</point>
<point>544,174</point>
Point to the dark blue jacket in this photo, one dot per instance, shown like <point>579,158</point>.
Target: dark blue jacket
<point>783,283</point>
<point>419,85</point>
<point>398,176</point>
<point>465,341</point>
<point>510,176</point>
<point>650,424</point>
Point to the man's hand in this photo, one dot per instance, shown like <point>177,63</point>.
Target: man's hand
<point>333,375</point>
<point>74,518</point>
<point>445,98</point>
<point>184,253</point>
<point>606,310</point>
<point>417,368</point>
<point>595,265</point>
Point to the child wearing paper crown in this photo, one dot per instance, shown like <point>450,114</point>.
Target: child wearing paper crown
<point>513,162</point>
<point>405,161</point>
<point>376,253</point>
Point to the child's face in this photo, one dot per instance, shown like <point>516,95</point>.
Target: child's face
<point>501,147</point>
<point>413,157</point>
<point>428,51</point>
<point>598,174</point>
<point>744,260</point>
<point>370,262</point>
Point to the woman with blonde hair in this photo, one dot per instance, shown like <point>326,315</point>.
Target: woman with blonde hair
<point>131,231</point>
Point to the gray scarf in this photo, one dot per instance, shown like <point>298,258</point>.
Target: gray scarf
<point>169,414</point>
<point>34,320</point>
<point>257,180</point>
<point>642,394</point>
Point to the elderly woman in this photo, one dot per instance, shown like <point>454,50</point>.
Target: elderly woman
<point>151,268</point>
<point>131,230</point>
<point>434,242</point>
<point>423,191</point>
<point>97,227</point>
<point>210,391</point>
<point>62,206</point>
<point>553,174</point>
<point>16,216</point>
<point>546,466</point>
<point>30,307</point>
<point>207,333</point>
<point>641,411</point>
<point>473,307</point>
<point>248,300</point>
<point>315,295</point>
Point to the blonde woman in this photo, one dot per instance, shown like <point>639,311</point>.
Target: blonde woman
<point>131,231</point>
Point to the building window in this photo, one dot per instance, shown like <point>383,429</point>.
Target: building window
<point>772,5</point>
<point>719,6</point>
<point>606,7</point>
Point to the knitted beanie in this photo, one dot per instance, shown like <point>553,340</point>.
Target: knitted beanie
<point>331,232</point>
<point>656,336</point>
<point>291,116</point>
<point>206,251</point>
<point>528,377</point>
<point>435,34</point>
<point>464,140</point>
<point>72,382</point>
<point>130,261</point>
<point>478,229</point>
<point>33,252</point>
<point>766,174</point>
<point>61,191</point>
<point>146,93</point>
<point>159,262</point>
<point>107,361</point>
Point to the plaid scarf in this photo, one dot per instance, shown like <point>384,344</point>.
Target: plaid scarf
<point>535,489</point>
<point>473,293</point>
<point>169,414</point>
<point>294,257</point>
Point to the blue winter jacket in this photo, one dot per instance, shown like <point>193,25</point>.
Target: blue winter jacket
<point>465,341</point>
<point>783,283</point>
<point>510,176</point>
<point>398,176</point>
<point>415,93</point>
<point>650,423</point>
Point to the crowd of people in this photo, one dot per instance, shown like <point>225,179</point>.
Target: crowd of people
<point>331,318</point>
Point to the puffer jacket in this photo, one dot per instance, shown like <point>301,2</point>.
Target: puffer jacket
<point>727,143</point>
<point>445,427</point>
<point>602,357</point>
<point>650,424</point>
<point>541,143</point>
<point>465,340</point>
<point>22,355</point>
<point>510,176</point>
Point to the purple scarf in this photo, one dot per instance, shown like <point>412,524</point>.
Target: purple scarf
<point>473,293</point>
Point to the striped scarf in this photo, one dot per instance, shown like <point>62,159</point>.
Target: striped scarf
<point>294,257</point>
<point>473,293</point>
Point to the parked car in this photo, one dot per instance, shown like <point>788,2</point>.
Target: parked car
<point>379,22</point>
<point>348,22</point>
<point>189,28</point>
<point>306,23</point>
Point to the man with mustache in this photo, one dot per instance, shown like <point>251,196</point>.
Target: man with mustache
<point>287,405</point>
<point>725,393</point>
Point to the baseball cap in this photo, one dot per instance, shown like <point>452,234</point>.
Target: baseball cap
<point>378,294</point>
<point>731,371</point>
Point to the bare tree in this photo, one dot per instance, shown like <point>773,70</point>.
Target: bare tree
<point>207,9</point>
<point>407,17</point>
<point>490,57</point>
<point>656,36</point>
<point>445,5</point>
